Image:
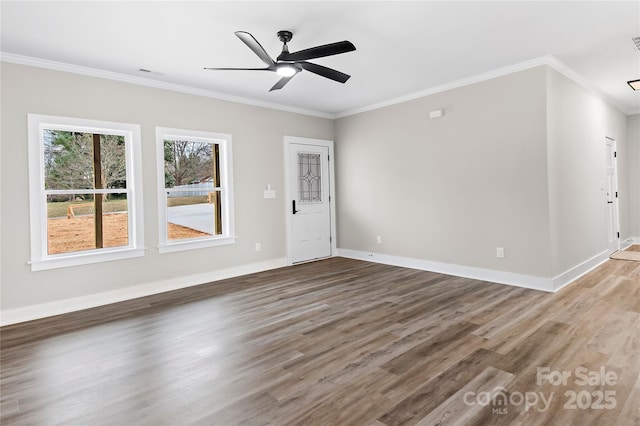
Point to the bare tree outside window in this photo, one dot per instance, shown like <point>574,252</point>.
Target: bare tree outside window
<point>187,162</point>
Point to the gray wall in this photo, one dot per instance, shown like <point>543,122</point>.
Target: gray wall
<point>451,189</point>
<point>578,122</point>
<point>633,137</point>
<point>258,160</point>
<point>516,162</point>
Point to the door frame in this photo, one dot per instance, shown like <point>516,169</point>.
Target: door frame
<point>616,205</point>
<point>288,140</point>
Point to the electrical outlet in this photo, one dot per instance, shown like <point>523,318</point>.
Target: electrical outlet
<point>258,247</point>
<point>379,239</point>
<point>500,252</point>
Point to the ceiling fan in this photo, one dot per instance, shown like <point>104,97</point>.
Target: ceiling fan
<point>287,65</point>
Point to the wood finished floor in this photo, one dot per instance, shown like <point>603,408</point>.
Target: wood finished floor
<point>333,342</point>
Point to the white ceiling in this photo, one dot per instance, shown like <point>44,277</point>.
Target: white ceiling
<point>403,48</point>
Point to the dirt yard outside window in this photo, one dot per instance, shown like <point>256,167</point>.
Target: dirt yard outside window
<point>73,234</point>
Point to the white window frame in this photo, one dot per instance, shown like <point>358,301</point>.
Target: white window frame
<point>40,259</point>
<point>223,141</point>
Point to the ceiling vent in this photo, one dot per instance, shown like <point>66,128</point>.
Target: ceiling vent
<point>636,42</point>
<point>159,74</point>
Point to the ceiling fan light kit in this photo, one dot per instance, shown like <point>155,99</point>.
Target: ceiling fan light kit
<point>287,64</point>
<point>286,70</point>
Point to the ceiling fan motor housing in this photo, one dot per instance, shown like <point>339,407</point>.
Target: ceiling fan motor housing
<point>285,36</point>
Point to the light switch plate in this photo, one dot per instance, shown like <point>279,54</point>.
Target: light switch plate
<point>270,194</point>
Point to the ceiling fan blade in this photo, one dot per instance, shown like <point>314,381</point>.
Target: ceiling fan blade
<point>280,84</point>
<point>253,44</point>
<point>240,69</point>
<point>325,72</point>
<point>318,51</point>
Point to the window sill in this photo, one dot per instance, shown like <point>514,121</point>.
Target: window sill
<point>195,244</point>
<point>85,258</point>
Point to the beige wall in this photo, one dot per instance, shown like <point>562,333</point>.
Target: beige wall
<point>578,121</point>
<point>258,160</point>
<point>451,189</point>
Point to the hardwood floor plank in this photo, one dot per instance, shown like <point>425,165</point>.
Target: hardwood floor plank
<point>428,348</point>
<point>426,368</point>
<point>507,298</point>
<point>512,336</point>
<point>438,389</point>
<point>627,352</point>
<point>630,413</point>
<point>610,335</point>
<point>460,408</point>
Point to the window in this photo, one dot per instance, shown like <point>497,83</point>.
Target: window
<point>195,189</point>
<point>84,180</point>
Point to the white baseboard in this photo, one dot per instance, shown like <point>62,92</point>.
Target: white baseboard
<point>576,272</point>
<point>501,277</point>
<point>28,313</point>
<point>629,242</point>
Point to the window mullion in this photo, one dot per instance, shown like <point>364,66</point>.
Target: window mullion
<point>97,184</point>
<point>86,191</point>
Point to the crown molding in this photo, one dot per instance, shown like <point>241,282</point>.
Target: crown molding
<point>449,86</point>
<point>141,81</point>
<point>569,73</point>
<point>549,60</point>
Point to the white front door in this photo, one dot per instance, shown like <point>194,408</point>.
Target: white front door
<point>309,209</point>
<point>611,189</point>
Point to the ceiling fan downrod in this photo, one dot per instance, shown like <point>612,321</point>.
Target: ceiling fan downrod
<point>285,37</point>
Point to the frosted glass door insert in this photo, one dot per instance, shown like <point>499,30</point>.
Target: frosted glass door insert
<point>309,178</point>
